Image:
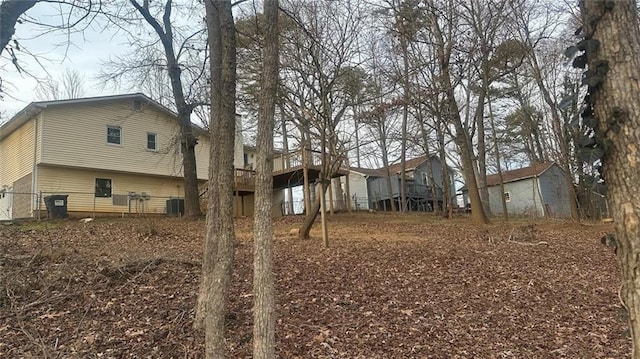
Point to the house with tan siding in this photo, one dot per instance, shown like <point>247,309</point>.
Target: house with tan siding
<point>109,155</point>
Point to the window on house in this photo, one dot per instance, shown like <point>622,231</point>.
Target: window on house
<point>103,187</point>
<point>507,196</point>
<point>152,141</point>
<point>425,179</point>
<point>114,135</point>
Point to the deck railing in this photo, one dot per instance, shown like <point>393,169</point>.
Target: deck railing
<point>285,161</point>
<point>244,177</point>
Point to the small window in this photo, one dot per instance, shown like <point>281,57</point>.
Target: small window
<point>114,135</point>
<point>246,159</point>
<point>425,179</point>
<point>152,141</point>
<point>103,187</point>
<point>507,196</point>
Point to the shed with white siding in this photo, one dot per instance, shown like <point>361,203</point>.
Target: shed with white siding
<point>539,190</point>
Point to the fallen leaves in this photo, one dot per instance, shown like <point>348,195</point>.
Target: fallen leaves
<point>389,286</point>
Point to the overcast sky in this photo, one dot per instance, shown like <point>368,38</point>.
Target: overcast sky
<point>84,54</point>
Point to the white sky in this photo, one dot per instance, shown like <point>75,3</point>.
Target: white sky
<point>84,55</point>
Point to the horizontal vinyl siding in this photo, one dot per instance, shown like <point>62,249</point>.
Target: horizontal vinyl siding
<point>76,136</point>
<point>16,154</point>
<point>39,139</point>
<point>80,186</point>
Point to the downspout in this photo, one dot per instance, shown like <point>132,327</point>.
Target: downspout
<point>366,186</point>
<point>35,199</point>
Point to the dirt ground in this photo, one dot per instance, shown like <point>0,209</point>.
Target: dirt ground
<point>389,286</point>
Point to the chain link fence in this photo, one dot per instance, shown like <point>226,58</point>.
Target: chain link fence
<point>18,205</point>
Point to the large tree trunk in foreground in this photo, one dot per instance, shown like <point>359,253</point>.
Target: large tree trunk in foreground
<point>220,232</point>
<point>615,104</point>
<point>263,281</point>
<point>213,190</point>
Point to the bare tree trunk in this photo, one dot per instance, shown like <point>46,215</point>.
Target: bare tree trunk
<point>188,141</point>
<point>503,200</point>
<point>534,147</point>
<point>447,205</point>
<point>385,163</point>
<point>213,189</point>
<point>394,208</point>
<point>323,212</point>
<point>432,182</point>
<point>482,152</point>
<point>405,115</point>
<point>559,130</point>
<point>614,103</point>
<point>10,12</point>
<point>305,229</point>
<point>462,138</point>
<point>224,237</point>
<point>263,281</point>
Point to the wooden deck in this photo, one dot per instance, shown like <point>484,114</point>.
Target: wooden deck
<point>288,168</point>
<point>288,171</point>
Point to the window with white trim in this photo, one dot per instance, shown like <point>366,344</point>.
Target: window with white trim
<point>114,135</point>
<point>507,196</point>
<point>152,141</point>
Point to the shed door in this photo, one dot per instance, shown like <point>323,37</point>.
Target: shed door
<point>6,201</point>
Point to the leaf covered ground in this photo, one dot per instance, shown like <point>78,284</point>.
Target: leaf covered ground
<point>389,286</point>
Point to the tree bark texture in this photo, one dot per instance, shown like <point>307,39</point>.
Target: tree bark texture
<point>614,24</point>
<point>223,237</point>
<point>10,12</point>
<point>213,190</point>
<point>263,269</point>
<point>188,140</point>
<point>505,210</point>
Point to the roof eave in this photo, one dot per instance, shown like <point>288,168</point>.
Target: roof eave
<point>20,118</point>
